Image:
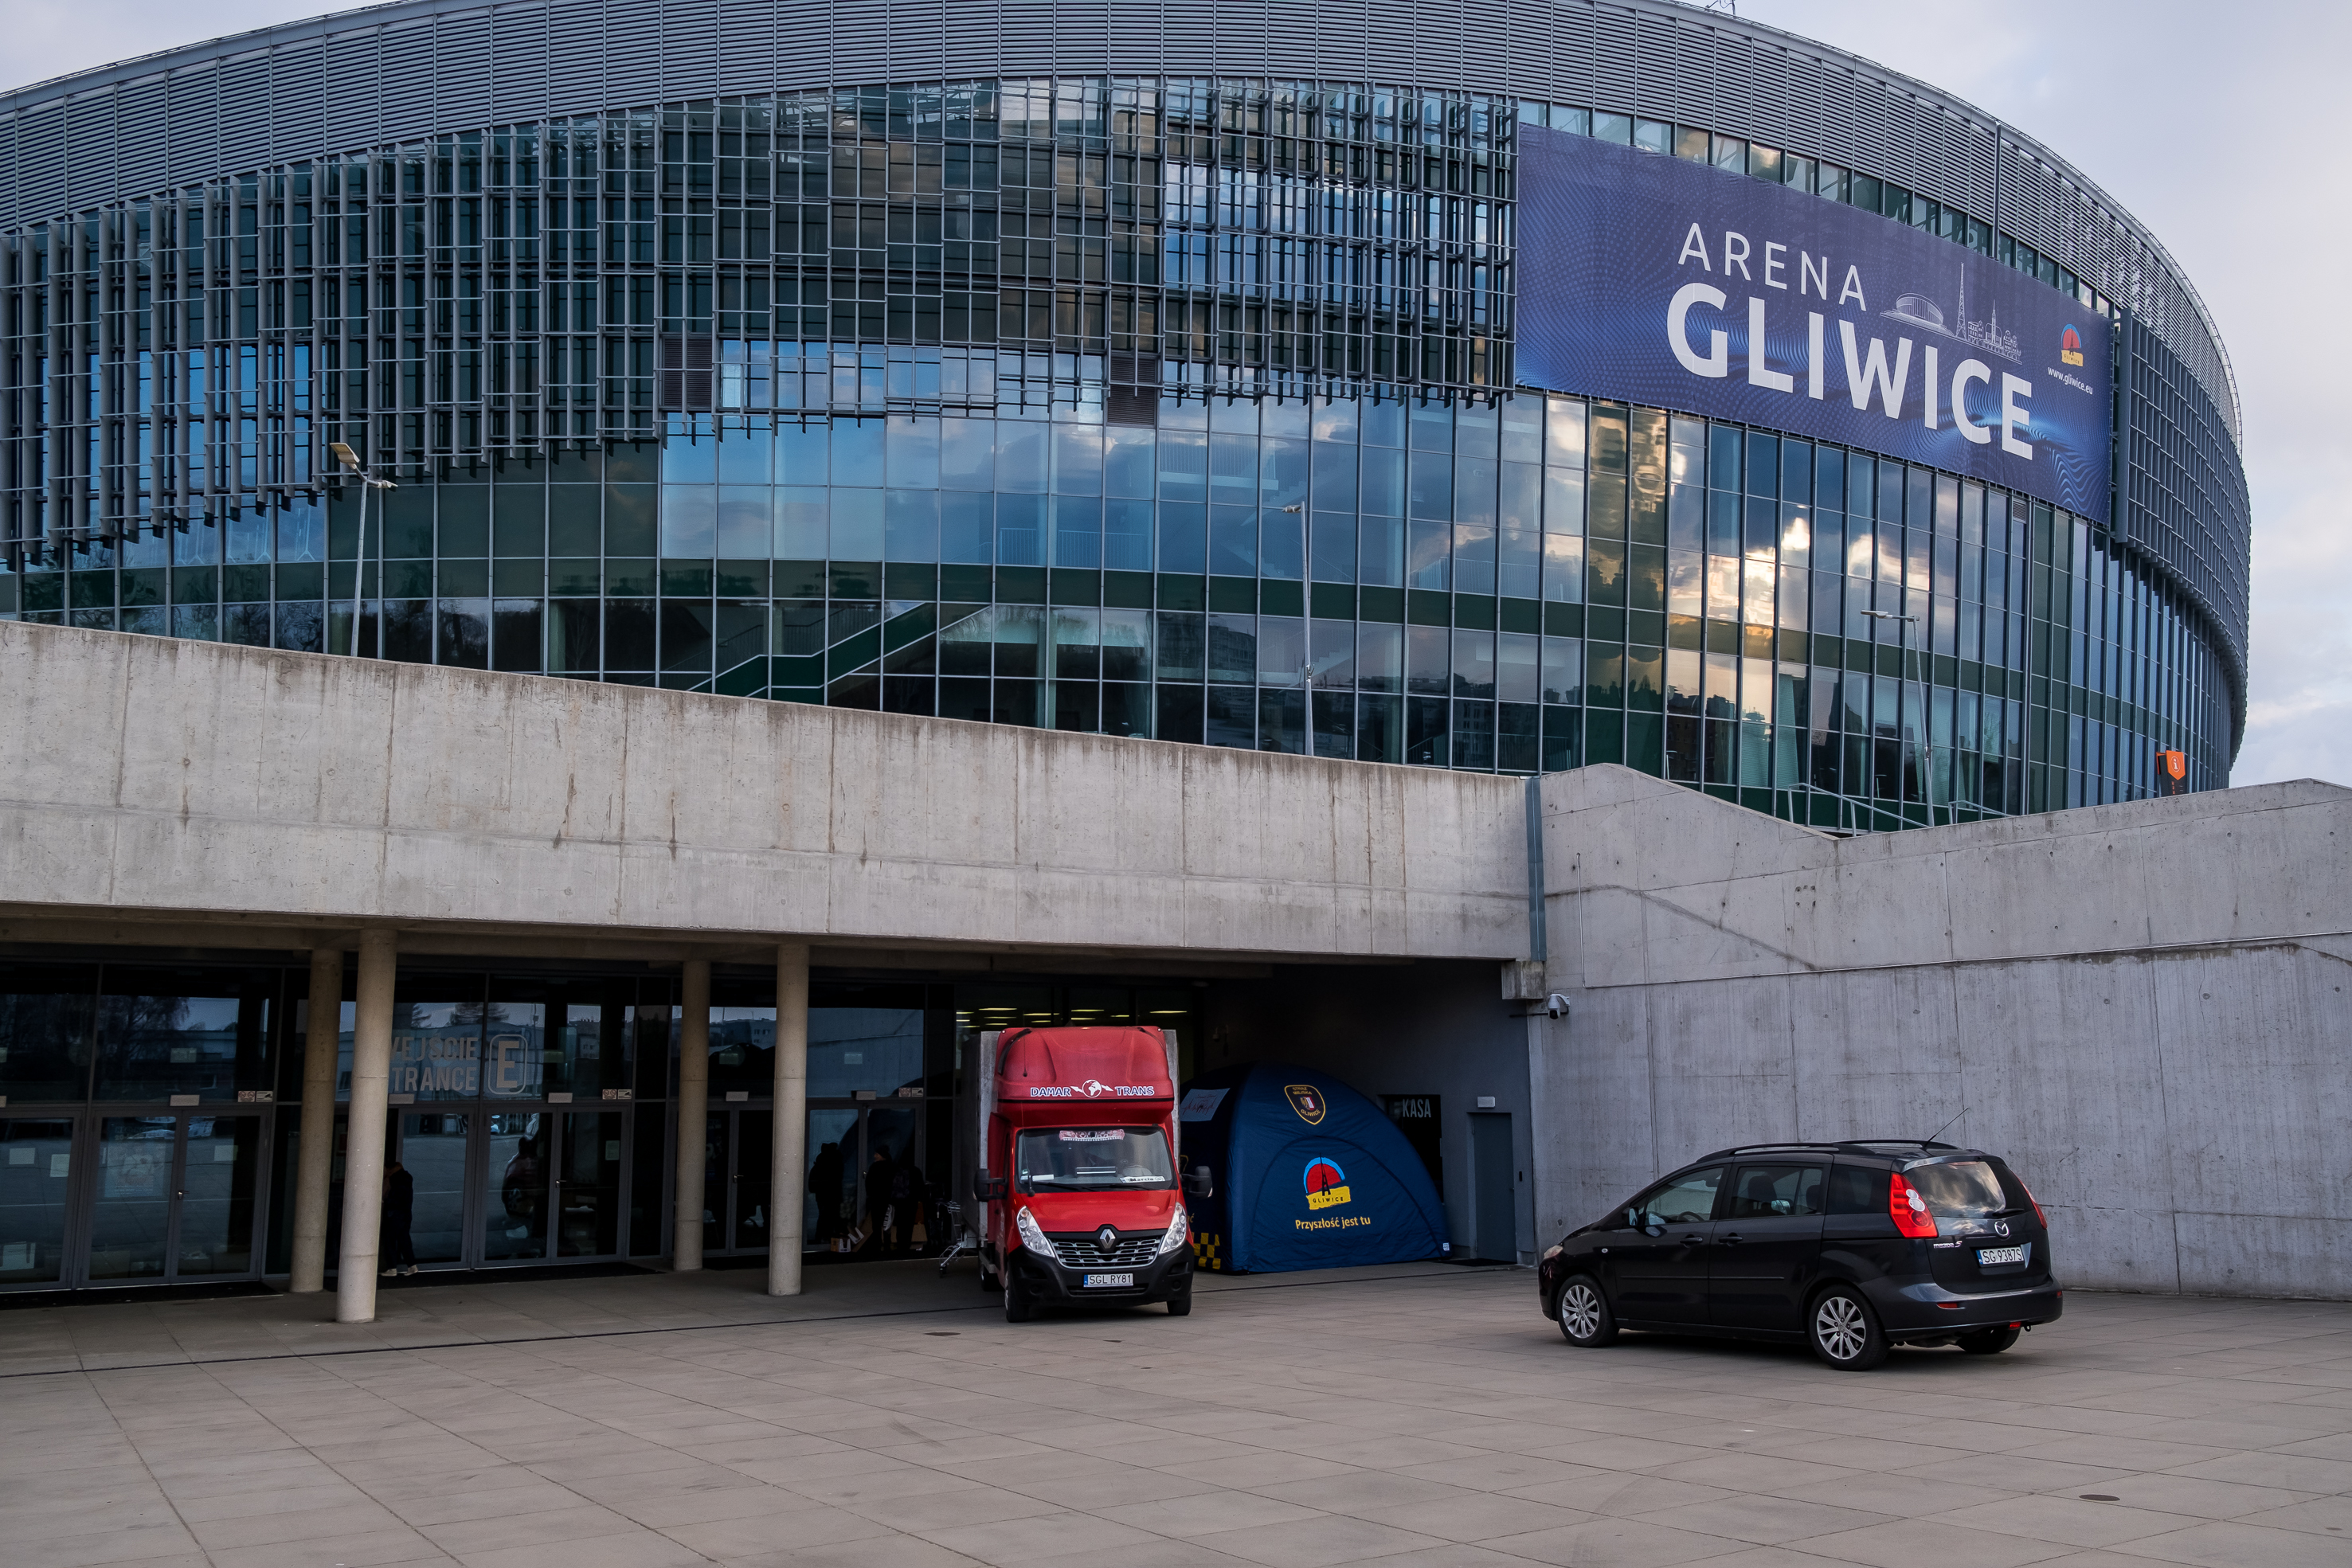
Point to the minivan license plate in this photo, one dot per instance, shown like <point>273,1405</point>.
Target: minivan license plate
<point>1110,1281</point>
<point>2000,1255</point>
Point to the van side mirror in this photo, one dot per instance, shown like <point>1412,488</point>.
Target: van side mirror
<point>1199,1182</point>
<point>986,1188</point>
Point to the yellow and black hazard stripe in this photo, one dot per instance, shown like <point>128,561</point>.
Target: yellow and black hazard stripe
<point>1204,1253</point>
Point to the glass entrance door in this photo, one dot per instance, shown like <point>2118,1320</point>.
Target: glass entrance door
<point>754,1174</point>
<point>515,1192</point>
<point>551,1185</point>
<point>831,1210</point>
<point>854,1152</point>
<point>433,1149</point>
<point>175,1199</point>
<point>35,1177</point>
<point>738,1170</point>
<point>587,1193</point>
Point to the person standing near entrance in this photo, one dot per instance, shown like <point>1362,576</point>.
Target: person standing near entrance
<point>392,1242</point>
<point>878,1200</point>
<point>907,1196</point>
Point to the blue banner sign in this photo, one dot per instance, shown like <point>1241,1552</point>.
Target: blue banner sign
<point>1656,280</point>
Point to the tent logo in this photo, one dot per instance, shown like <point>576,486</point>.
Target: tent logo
<point>1308,1100</point>
<point>1327,1183</point>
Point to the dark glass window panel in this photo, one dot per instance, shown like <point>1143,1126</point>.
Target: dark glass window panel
<point>1126,708</point>
<point>1231,717</point>
<point>574,637</point>
<point>206,1032</point>
<point>1427,733</point>
<point>1015,702</point>
<point>1474,736</point>
<point>45,1015</point>
<point>1763,477</point>
<point>36,1171</point>
<point>1078,705</point>
<point>685,643</point>
<point>629,628</point>
<point>1333,714</point>
<point>1282,721</point>
<point>1380,728</point>
<point>964,698</point>
<point>408,631</point>
<point>1179,712</point>
<point>464,638</point>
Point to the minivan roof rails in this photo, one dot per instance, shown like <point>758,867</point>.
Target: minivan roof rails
<point>1846,1145</point>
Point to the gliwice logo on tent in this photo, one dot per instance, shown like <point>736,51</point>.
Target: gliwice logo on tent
<point>1307,1099</point>
<point>1327,1183</point>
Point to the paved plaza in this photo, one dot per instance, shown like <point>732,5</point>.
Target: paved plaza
<point>1412,1416</point>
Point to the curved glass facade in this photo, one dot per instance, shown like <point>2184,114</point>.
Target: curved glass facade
<point>1169,406</point>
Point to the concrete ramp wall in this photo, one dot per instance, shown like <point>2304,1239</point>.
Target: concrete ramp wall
<point>2146,1008</point>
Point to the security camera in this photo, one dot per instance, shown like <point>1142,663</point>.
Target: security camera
<point>1556,1005</point>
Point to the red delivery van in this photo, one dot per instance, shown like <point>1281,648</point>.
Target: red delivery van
<point>1080,1201</point>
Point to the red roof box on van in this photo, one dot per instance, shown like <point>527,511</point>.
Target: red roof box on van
<point>1102,1066</point>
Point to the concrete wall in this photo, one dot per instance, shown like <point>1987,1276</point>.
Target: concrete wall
<point>153,777</point>
<point>2143,1007</point>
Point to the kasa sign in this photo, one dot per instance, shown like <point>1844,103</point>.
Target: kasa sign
<point>1654,280</point>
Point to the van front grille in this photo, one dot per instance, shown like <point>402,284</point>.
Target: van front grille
<point>1082,1252</point>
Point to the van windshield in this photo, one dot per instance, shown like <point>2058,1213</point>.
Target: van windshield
<point>1960,1189</point>
<point>1092,1159</point>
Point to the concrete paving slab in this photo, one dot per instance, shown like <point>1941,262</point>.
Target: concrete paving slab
<point>892,1419</point>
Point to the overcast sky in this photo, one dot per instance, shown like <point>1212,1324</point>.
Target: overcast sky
<point>2217,127</point>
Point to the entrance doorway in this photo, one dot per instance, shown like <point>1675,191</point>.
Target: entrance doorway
<point>547,1184</point>
<point>738,1168</point>
<point>849,1194</point>
<point>140,1199</point>
<point>1494,1189</point>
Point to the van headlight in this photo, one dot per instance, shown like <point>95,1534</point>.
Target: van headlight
<point>1033,1236</point>
<point>1179,1232</point>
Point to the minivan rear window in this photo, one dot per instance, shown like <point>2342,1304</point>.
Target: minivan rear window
<point>1960,1189</point>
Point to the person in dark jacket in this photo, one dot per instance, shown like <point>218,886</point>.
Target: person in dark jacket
<point>878,1201</point>
<point>394,1251</point>
<point>825,1180</point>
<point>908,1194</point>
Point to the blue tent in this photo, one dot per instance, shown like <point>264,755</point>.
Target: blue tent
<point>1309,1174</point>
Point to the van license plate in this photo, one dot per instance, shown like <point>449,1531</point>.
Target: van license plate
<point>2000,1255</point>
<point>1110,1281</point>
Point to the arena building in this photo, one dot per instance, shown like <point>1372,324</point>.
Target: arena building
<point>1401,387</point>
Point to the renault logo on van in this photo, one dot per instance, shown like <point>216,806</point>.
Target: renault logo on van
<point>1106,1237</point>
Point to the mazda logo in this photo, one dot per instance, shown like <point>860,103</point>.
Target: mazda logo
<point>2001,1226</point>
<point>1105,1235</point>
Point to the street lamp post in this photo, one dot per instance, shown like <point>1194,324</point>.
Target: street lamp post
<point>350,461</point>
<point>1903,636</point>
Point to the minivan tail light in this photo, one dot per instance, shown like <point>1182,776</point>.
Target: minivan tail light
<point>2039,1219</point>
<point>1908,1209</point>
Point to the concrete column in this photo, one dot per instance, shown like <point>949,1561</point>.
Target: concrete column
<point>693,1113</point>
<point>364,1143</point>
<point>314,1171</point>
<point>788,1184</point>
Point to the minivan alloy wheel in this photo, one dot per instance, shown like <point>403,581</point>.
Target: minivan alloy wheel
<point>1839,1322</point>
<point>1584,1317</point>
<point>1845,1334</point>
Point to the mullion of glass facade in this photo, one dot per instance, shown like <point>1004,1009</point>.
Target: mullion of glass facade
<point>1168,408</point>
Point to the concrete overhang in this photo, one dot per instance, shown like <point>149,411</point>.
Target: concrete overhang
<point>191,795</point>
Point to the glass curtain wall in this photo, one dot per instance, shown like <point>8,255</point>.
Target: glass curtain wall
<point>1178,409</point>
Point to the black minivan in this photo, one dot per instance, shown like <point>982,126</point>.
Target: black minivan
<point>1851,1247</point>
